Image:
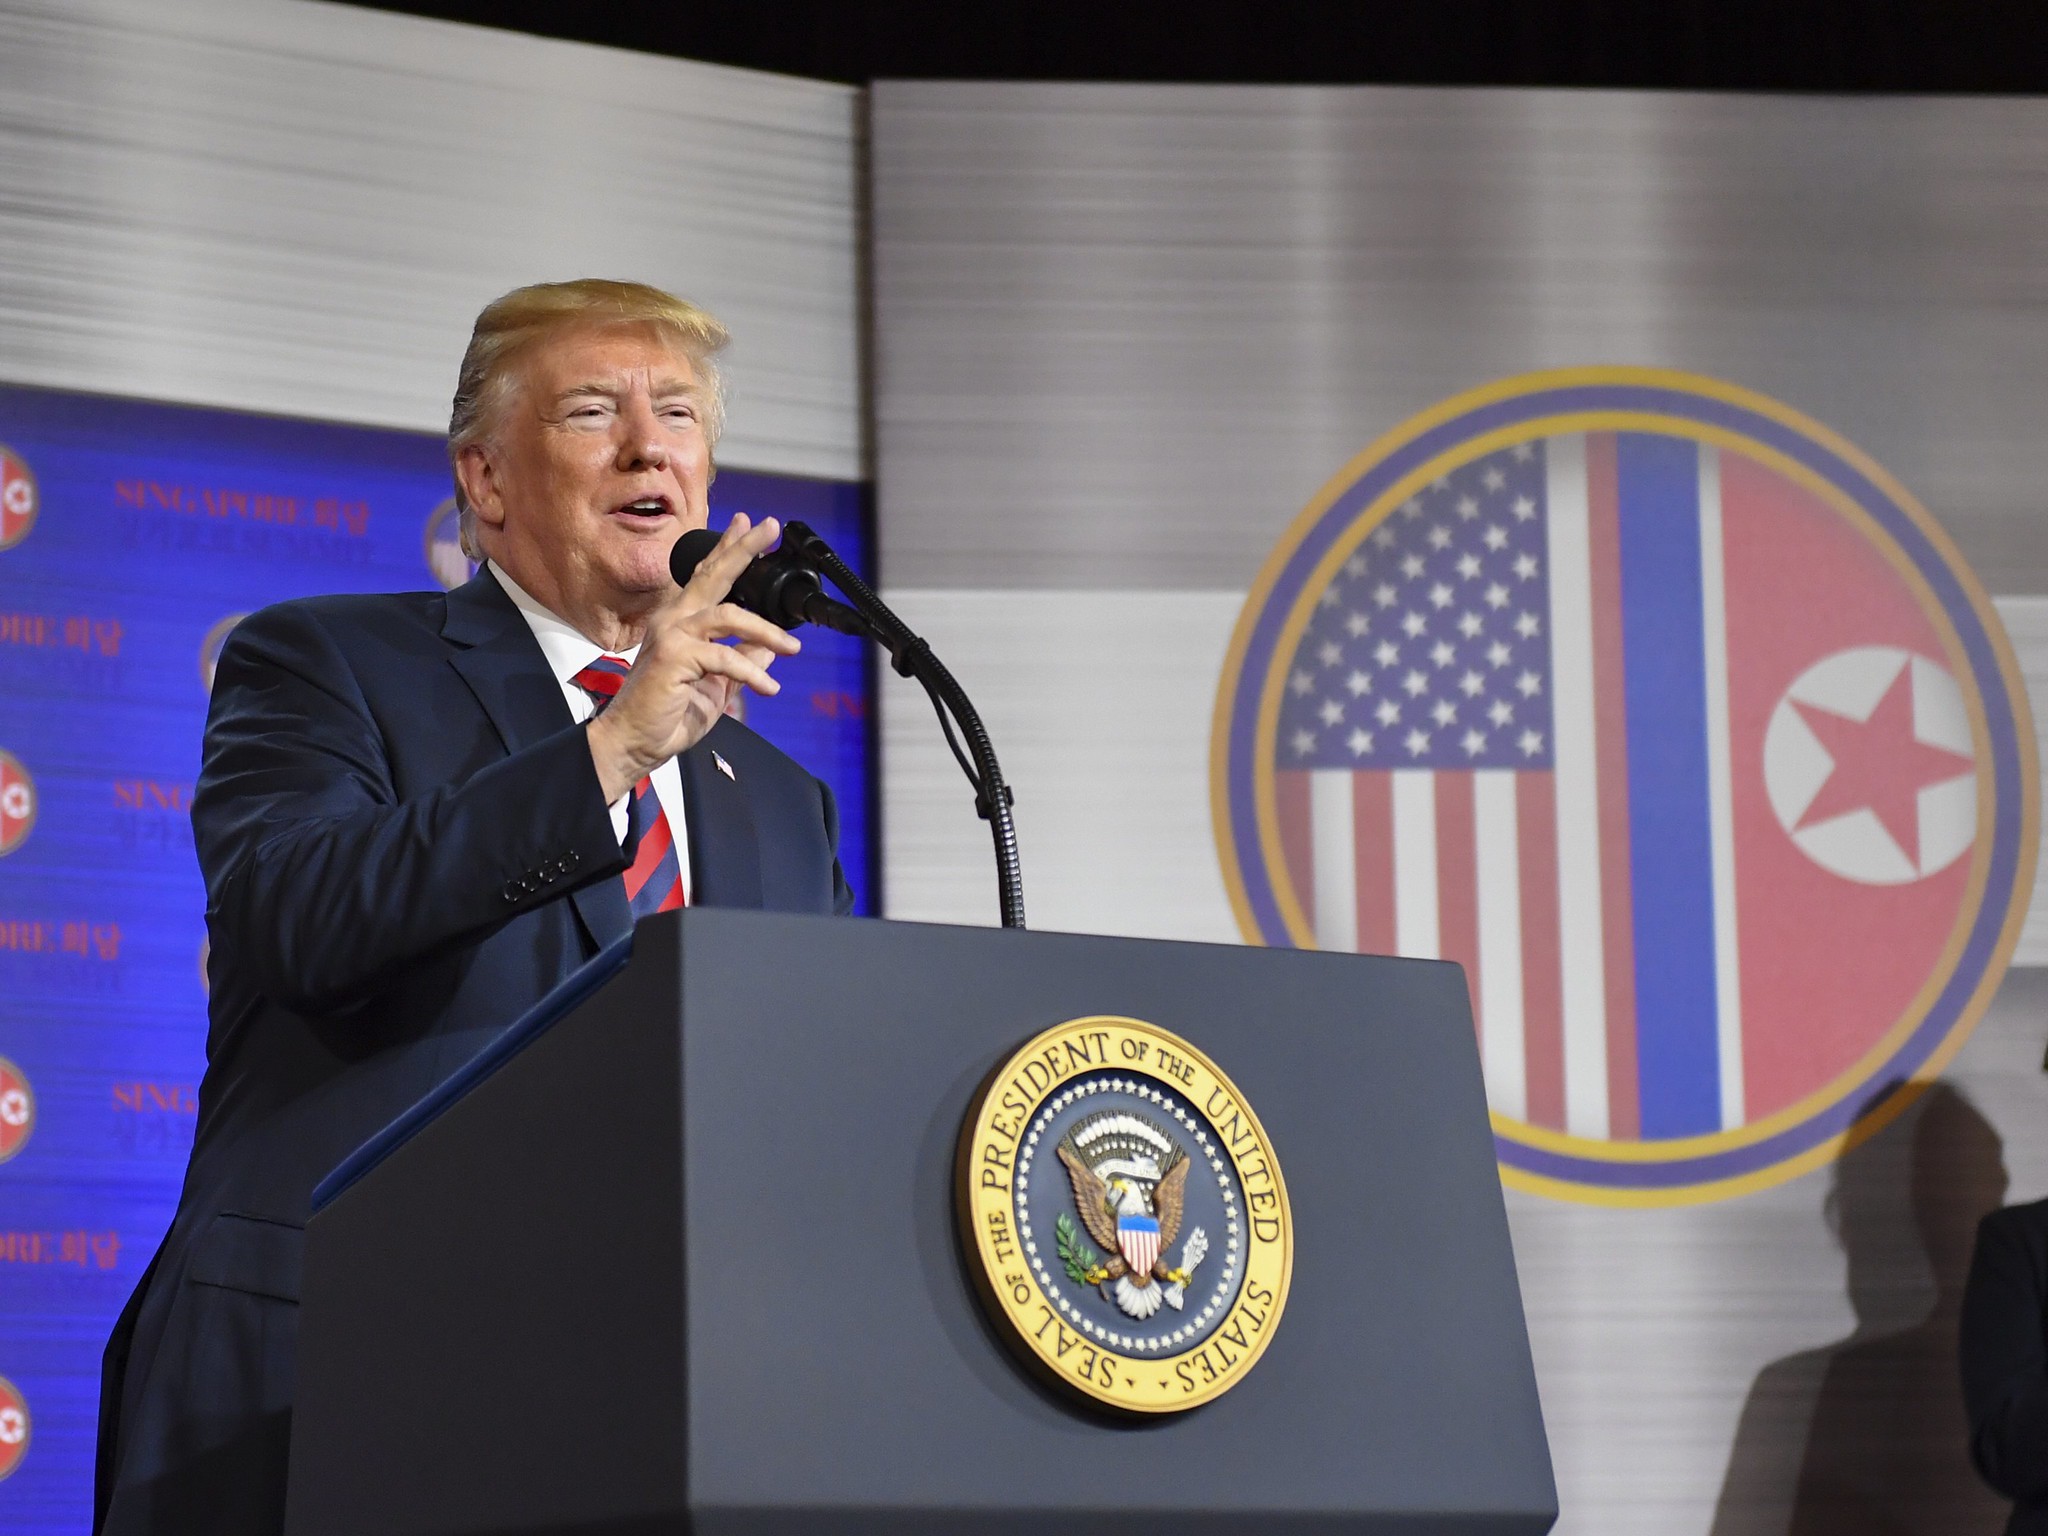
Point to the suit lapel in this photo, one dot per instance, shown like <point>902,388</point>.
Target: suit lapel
<point>725,848</point>
<point>504,667</point>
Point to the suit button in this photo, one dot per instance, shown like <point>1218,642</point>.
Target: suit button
<point>511,892</point>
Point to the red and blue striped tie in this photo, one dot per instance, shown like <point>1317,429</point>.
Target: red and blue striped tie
<point>654,880</point>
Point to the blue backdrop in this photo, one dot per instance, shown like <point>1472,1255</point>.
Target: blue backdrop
<point>132,536</point>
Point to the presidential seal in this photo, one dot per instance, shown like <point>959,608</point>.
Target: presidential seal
<point>1124,1216</point>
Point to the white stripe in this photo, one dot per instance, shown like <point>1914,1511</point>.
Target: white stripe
<point>1580,943</point>
<point>1336,859</point>
<point>1415,908</point>
<point>1496,838</point>
<point>1721,789</point>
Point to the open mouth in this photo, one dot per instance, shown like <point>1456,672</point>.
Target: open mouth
<point>645,511</point>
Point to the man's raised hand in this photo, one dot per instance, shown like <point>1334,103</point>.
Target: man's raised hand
<point>686,674</point>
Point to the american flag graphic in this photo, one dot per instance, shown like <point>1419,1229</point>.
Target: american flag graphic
<point>1660,748</point>
<point>1431,649</point>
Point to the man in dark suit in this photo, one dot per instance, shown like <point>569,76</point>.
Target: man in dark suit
<point>2004,1343</point>
<point>417,814</point>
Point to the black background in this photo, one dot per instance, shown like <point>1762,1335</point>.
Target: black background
<point>1798,45</point>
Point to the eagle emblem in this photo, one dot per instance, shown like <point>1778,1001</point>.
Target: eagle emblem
<point>1130,1185</point>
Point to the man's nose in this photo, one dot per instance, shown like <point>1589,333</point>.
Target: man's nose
<point>640,440</point>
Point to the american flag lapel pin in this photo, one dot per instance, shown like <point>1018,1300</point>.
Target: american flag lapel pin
<point>724,767</point>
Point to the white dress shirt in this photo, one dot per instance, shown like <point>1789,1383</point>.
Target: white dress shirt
<point>568,653</point>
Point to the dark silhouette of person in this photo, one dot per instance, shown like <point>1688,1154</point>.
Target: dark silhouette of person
<point>1866,1437</point>
<point>2004,1356</point>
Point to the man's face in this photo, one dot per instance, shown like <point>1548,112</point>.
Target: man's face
<point>598,465</point>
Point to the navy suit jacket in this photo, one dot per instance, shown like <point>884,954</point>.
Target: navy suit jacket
<point>2004,1345</point>
<point>405,846</point>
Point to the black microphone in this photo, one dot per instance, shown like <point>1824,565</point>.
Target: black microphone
<point>786,587</point>
<point>781,586</point>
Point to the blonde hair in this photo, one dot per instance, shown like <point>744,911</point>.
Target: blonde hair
<point>511,324</point>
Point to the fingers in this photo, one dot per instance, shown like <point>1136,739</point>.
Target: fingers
<point>689,647</point>
<point>696,652</point>
<point>742,540</point>
<point>729,621</point>
<point>743,664</point>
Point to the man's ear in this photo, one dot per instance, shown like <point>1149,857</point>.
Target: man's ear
<point>477,472</point>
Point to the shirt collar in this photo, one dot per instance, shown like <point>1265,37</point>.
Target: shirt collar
<point>567,649</point>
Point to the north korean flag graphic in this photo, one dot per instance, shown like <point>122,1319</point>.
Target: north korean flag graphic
<point>19,498</point>
<point>1853,790</point>
<point>17,803</point>
<point>1704,762</point>
<point>14,1427</point>
<point>17,1109</point>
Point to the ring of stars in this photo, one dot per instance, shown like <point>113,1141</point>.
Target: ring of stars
<point>1189,1333</point>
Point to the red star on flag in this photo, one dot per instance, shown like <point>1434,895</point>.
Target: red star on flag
<point>1880,765</point>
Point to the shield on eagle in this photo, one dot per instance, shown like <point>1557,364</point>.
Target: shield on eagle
<point>1137,1238</point>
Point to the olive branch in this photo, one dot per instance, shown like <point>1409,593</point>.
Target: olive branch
<point>1075,1253</point>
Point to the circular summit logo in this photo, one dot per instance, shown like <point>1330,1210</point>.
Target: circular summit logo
<point>210,647</point>
<point>17,1109</point>
<point>441,542</point>
<point>19,498</point>
<point>1680,725</point>
<point>1124,1216</point>
<point>17,803</point>
<point>13,1427</point>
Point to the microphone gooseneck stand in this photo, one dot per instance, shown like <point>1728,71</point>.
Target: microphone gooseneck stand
<point>912,658</point>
